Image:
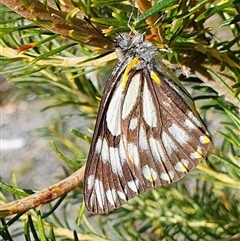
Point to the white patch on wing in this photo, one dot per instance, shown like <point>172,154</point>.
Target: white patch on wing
<point>133,185</point>
<point>143,145</point>
<point>162,155</point>
<point>98,145</point>
<point>189,125</point>
<point>122,195</point>
<point>149,173</point>
<point>113,112</point>
<point>199,149</point>
<point>105,151</point>
<point>111,196</point>
<point>149,109</point>
<point>90,181</point>
<point>193,118</point>
<point>204,139</point>
<point>168,144</point>
<point>167,176</point>
<point>133,154</point>
<point>131,96</point>
<point>197,154</point>
<point>115,162</point>
<point>155,146</point>
<point>157,150</point>
<point>98,187</point>
<point>122,153</point>
<point>133,123</point>
<point>179,134</point>
<point>181,166</point>
<point>92,199</point>
<point>126,190</point>
<point>185,162</point>
<point>171,174</point>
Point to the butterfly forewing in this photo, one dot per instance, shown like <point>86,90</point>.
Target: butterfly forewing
<point>148,132</point>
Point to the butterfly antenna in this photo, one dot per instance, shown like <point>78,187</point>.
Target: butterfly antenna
<point>85,18</point>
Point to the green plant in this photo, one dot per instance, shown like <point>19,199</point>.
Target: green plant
<point>205,205</point>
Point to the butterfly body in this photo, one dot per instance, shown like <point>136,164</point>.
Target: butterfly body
<point>148,132</point>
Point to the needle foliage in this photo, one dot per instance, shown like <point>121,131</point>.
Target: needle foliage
<point>64,58</point>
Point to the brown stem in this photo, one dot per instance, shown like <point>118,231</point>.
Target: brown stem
<point>55,21</point>
<point>42,197</point>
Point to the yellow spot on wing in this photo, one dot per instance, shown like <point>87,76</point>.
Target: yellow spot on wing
<point>131,158</point>
<point>199,154</point>
<point>155,77</point>
<point>204,139</point>
<point>150,178</point>
<point>182,167</point>
<point>196,155</point>
<point>132,64</point>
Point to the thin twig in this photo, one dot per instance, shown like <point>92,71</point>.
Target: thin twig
<point>43,197</point>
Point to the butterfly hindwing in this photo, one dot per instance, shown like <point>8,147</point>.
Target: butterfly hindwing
<point>147,133</point>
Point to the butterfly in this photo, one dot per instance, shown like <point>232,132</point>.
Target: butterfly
<point>148,132</point>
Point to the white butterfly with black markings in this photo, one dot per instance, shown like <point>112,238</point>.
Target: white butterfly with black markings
<point>148,132</point>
